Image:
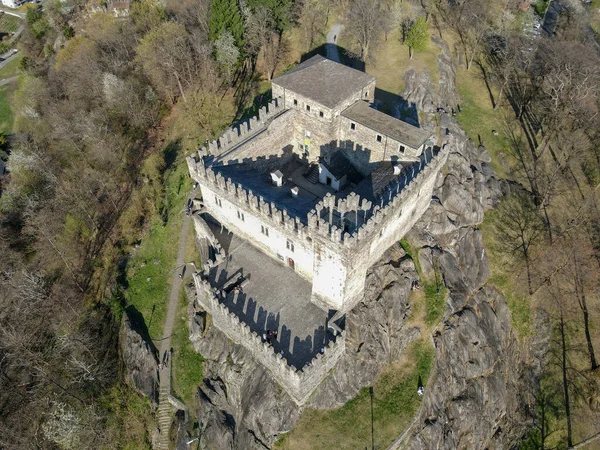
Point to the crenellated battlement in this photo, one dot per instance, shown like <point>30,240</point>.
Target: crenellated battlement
<point>320,220</point>
<point>299,383</point>
<point>244,130</point>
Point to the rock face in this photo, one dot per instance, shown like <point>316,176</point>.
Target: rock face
<point>376,330</point>
<point>139,355</point>
<point>479,394</point>
<point>240,406</point>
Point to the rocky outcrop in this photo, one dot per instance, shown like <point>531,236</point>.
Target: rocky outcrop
<point>376,330</point>
<point>240,405</point>
<point>481,390</point>
<point>139,354</point>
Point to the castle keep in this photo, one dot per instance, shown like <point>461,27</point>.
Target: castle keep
<point>322,184</point>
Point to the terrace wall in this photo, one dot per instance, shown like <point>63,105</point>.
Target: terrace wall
<point>299,384</point>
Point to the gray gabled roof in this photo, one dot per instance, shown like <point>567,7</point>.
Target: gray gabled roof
<point>389,126</point>
<point>324,81</point>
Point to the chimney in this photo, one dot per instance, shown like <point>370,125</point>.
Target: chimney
<point>295,191</point>
<point>277,178</point>
<point>397,169</point>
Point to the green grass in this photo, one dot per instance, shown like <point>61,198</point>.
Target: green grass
<point>6,114</point>
<point>187,363</point>
<point>412,253</point>
<point>11,68</point>
<point>478,117</point>
<point>435,302</point>
<point>504,280</point>
<point>391,61</point>
<point>150,269</point>
<point>9,24</point>
<point>349,427</point>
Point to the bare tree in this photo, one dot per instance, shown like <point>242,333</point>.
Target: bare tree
<point>364,24</point>
<point>518,228</point>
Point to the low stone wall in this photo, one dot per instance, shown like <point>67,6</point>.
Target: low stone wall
<point>299,384</point>
<point>245,130</point>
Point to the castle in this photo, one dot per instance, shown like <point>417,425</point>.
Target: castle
<point>321,182</point>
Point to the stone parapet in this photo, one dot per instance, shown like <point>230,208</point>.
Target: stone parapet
<point>298,383</point>
<point>390,201</point>
<point>242,131</point>
<point>245,199</point>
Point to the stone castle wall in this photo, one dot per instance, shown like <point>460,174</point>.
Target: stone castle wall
<point>249,225</point>
<point>298,383</point>
<point>235,136</point>
<point>340,259</point>
<point>365,151</point>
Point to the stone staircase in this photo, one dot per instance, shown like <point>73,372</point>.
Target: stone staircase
<point>164,407</point>
<point>313,173</point>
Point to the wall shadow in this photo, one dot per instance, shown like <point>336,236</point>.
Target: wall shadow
<point>346,56</point>
<point>138,324</point>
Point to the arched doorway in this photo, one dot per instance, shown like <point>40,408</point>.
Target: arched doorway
<point>291,263</point>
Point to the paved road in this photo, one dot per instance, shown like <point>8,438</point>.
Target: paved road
<point>12,12</point>
<point>164,407</point>
<point>333,52</point>
<point>9,80</point>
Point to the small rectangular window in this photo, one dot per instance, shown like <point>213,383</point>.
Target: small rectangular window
<point>308,107</point>
<point>264,230</point>
<point>366,94</point>
<point>352,126</point>
<point>218,201</point>
<point>401,149</point>
<point>379,138</point>
<point>290,246</point>
<point>240,216</point>
<point>295,102</point>
<point>321,114</point>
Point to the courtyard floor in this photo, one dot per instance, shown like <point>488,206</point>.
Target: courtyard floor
<point>274,297</point>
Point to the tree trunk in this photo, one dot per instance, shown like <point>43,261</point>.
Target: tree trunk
<point>579,291</point>
<point>180,87</point>
<point>499,98</point>
<point>565,379</point>
<point>586,323</point>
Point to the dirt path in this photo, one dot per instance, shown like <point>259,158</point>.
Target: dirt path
<point>333,52</point>
<point>164,406</point>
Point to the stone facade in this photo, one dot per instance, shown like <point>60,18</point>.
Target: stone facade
<point>329,234</point>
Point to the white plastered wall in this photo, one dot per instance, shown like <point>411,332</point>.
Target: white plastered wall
<point>275,244</point>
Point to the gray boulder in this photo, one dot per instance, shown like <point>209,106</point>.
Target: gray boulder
<point>139,354</point>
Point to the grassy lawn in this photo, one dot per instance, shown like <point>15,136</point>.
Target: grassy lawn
<point>150,269</point>
<point>11,68</point>
<point>391,61</point>
<point>478,117</point>
<point>503,278</point>
<point>9,24</point>
<point>349,427</point>
<point>6,114</point>
<point>187,363</point>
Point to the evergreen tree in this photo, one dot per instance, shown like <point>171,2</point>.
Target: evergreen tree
<point>417,36</point>
<point>225,16</point>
